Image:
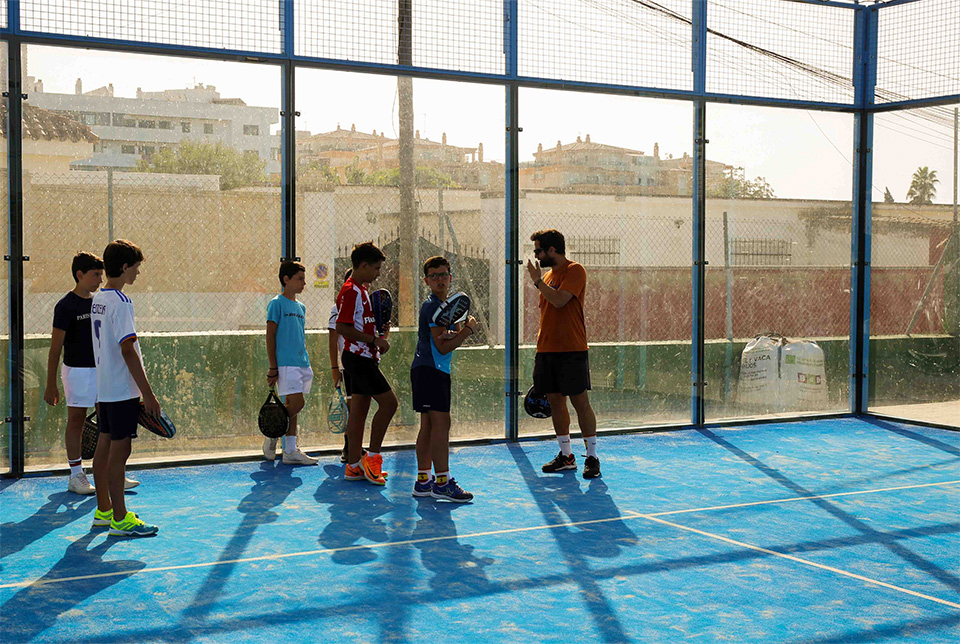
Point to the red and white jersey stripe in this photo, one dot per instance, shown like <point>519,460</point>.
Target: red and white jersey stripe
<point>353,305</point>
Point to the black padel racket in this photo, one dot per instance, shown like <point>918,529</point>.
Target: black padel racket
<point>89,437</point>
<point>382,304</point>
<point>536,404</point>
<point>273,420</point>
<point>160,425</point>
<point>454,310</point>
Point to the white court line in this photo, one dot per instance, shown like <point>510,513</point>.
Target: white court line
<point>805,562</point>
<point>307,553</point>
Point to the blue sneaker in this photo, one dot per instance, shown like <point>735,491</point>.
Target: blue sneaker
<point>423,489</point>
<point>451,492</point>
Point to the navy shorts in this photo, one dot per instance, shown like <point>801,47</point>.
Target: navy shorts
<point>564,372</point>
<point>431,389</point>
<point>362,376</point>
<point>119,419</point>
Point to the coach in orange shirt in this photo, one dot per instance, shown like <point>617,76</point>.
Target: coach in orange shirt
<point>562,367</point>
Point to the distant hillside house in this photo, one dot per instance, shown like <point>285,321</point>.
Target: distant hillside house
<point>51,142</point>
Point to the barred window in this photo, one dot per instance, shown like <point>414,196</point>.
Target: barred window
<point>760,252</point>
<point>594,251</point>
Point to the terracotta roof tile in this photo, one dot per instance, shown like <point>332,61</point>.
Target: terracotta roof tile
<point>39,123</point>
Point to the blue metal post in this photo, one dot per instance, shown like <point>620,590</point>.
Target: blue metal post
<point>699,63</point>
<point>864,79</point>
<point>511,342</point>
<point>288,154</point>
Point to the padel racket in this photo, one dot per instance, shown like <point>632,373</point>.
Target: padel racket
<point>536,404</point>
<point>382,304</point>
<point>89,437</point>
<point>453,311</point>
<point>160,425</point>
<point>273,421</point>
<point>337,418</point>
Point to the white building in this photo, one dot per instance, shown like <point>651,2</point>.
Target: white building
<point>134,128</point>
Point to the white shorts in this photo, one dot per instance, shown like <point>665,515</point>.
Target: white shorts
<point>294,380</point>
<point>79,386</point>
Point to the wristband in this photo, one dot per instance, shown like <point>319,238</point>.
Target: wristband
<point>538,282</point>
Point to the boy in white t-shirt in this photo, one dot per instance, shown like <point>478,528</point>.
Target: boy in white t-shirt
<point>121,381</point>
<point>289,367</point>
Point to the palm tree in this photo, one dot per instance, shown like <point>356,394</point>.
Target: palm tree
<point>923,187</point>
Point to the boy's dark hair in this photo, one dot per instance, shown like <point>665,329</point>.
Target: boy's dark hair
<point>120,252</point>
<point>290,268</point>
<point>550,237</point>
<point>366,252</point>
<point>435,262</point>
<point>84,262</point>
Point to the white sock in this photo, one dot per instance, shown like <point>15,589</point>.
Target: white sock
<point>591,443</point>
<point>423,476</point>
<point>565,448</point>
<point>372,454</point>
<point>289,444</point>
<point>76,467</point>
<point>443,477</point>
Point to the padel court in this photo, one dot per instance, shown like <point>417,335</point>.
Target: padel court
<point>819,531</point>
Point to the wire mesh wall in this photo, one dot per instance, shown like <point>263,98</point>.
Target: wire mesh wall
<point>780,49</point>
<point>917,53</point>
<point>619,42</point>
<point>246,25</point>
<point>463,35</point>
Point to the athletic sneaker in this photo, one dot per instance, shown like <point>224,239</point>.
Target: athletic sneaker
<point>451,492</point>
<point>132,526</point>
<point>129,483</point>
<point>270,448</point>
<point>372,466</point>
<point>423,489</point>
<point>102,519</point>
<point>560,463</point>
<point>351,473</point>
<point>591,467</point>
<point>79,484</point>
<point>298,458</point>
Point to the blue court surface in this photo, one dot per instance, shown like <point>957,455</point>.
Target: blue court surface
<point>821,531</point>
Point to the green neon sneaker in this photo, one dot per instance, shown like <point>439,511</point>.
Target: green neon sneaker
<point>102,519</point>
<point>132,526</point>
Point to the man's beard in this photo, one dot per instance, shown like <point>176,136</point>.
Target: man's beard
<point>547,261</point>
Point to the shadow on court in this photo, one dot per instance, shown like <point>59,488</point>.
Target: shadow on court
<point>947,578</point>
<point>47,518</point>
<point>456,568</point>
<point>272,484</point>
<point>953,450</point>
<point>358,510</point>
<point>38,606</point>
<point>561,499</point>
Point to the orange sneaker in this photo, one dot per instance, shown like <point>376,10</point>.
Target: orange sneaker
<point>351,473</point>
<point>372,469</point>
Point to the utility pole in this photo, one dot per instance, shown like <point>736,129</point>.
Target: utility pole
<point>409,227</point>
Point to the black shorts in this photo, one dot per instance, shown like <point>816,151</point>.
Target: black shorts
<point>362,376</point>
<point>431,389</point>
<point>119,419</point>
<point>566,372</point>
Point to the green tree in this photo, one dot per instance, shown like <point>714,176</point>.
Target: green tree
<point>425,178</point>
<point>314,176</point>
<point>355,174</point>
<point>734,185</point>
<point>195,157</point>
<point>887,196</point>
<point>923,187</point>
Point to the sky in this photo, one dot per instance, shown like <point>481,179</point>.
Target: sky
<point>801,153</point>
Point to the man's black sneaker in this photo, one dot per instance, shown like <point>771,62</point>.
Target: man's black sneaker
<point>591,467</point>
<point>560,463</point>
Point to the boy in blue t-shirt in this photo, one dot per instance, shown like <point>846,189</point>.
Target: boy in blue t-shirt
<point>430,378</point>
<point>289,363</point>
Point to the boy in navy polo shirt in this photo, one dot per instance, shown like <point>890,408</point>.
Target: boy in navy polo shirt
<point>289,363</point>
<point>430,377</point>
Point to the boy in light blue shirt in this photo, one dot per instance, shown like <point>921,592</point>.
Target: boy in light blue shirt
<point>289,365</point>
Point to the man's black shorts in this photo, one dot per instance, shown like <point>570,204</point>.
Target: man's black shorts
<point>362,376</point>
<point>119,419</point>
<point>431,389</point>
<point>565,372</point>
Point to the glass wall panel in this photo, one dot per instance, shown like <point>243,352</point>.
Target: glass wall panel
<point>614,175</point>
<point>182,158</point>
<point>417,167</point>
<point>915,267</point>
<point>4,279</point>
<point>779,184</point>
